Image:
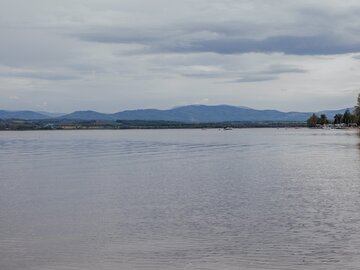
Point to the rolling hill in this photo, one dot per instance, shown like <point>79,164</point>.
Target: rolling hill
<point>187,114</point>
<point>26,115</point>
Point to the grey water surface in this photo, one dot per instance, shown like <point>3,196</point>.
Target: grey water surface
<point>180,199</point>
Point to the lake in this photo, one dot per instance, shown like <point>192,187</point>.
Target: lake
<point>180,199</point>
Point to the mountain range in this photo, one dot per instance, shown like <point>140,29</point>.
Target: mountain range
<point>186,114</point>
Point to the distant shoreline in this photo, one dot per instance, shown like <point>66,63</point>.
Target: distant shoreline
<point>18,125</point>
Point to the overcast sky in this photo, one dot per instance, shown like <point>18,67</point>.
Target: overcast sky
<point>111,55</point>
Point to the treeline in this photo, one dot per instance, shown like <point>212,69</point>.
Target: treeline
<point>346,119</point>
<point>64,124</point>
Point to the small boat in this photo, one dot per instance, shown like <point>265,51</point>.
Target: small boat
<point>227,128</point>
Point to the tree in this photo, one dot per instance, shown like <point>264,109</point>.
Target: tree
<point>357,110</point>
<point>323,120</point>
<point>347,117</point>
<point>313,120</point>
<point>338,118</point>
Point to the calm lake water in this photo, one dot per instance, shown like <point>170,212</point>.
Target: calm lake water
<point>180,199</point>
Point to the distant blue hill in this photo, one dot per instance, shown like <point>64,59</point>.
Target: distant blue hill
<point>187,114</point>
<point>26,115</point>
<point>200,114</point>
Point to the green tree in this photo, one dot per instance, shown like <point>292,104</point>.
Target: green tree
<point>338,118</point>
<point>357,110</point>
<point>347,117</point>
<point>313,120</point>
<point>323,120</point>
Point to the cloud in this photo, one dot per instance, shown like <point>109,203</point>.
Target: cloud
<point>119,35</point>
<point>269,73</point>
<point>254,78</point>
<point>282,69</point>
<point>312,45</point>
<point>113,55</point>
<point>241,27</point>
<point>223,39</point>
<point>50,76</point>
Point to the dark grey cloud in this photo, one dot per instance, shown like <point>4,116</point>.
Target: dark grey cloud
<point>321,29</point>
<point>218,39</point>
<point>313,45</point>
<point>168,34</point>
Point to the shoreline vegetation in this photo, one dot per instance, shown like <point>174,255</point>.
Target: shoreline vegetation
<point>347,120</point>
<point>15,124</point>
